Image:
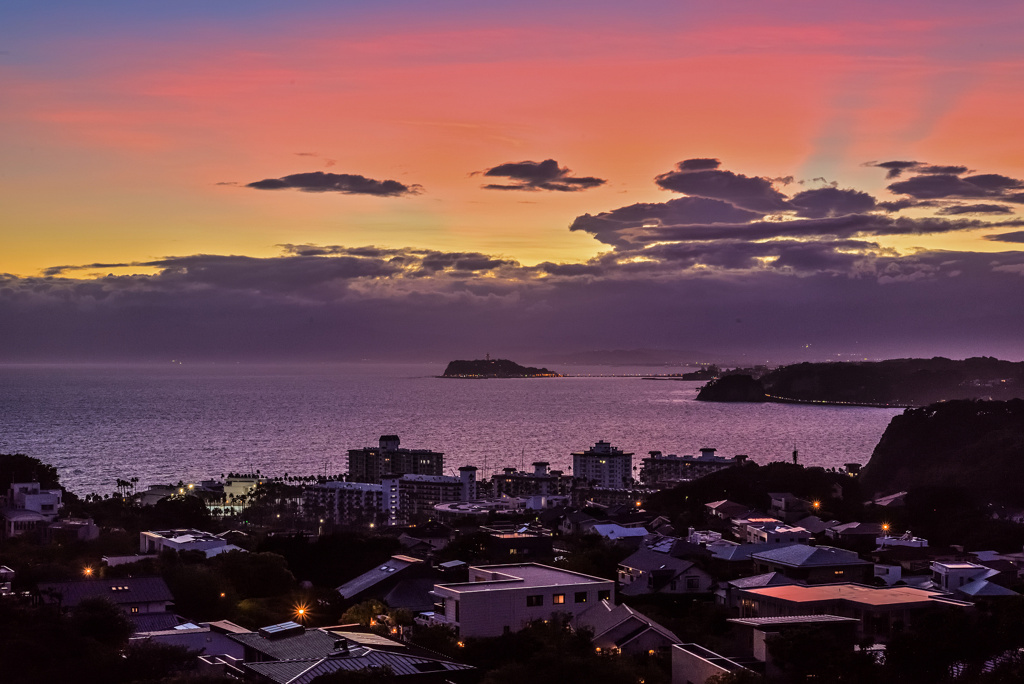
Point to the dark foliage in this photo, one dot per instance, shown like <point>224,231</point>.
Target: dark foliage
<point>977,446</point>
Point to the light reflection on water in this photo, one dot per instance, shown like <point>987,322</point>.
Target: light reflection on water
<point>165,423</point>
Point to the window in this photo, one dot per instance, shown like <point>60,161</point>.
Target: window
<point>457,619</point>
<point>693,583</point>
<point>581,597</point>
<point>558,599</point>
<point>534,600</point>
<point>604,595</point>
<point>135,609</point>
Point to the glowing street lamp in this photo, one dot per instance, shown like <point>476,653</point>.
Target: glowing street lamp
<point>87,571</point>
<point>301,612</point>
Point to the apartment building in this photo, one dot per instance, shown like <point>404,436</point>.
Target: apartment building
<point>373,464</point>
<point>604,466</point>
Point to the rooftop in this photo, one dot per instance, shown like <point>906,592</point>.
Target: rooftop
<point>121,591</point>
<point>856,593</point>
<point>802,555</point>
<point>791,620</point>
<point>521,576</point>
<point>184,536</point>
<point>368,579</point>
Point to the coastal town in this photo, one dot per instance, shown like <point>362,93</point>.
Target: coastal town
<point>633,568</point>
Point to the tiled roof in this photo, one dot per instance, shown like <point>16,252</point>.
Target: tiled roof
<point>604,617</point>
<point>792,620</point>
<point>768,579</point>
<point>378,574</point>
<point>121,591</point>
<point>742,552</point>
<point>648,560</point>
<point>203,640</point>
<point>304,671</point>
<point>311,643</point>
<point>804,556</point>
<point>153,622</point>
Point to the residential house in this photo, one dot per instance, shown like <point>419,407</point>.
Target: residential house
<point>729,594</point>
<point>28,507</point>
<point>968,580</point>
<point>134,595</point>
<point>289,653</point>
<point>501,598</point>
<point>621,629</point>
<point>776,533</point>
<point>157,541</point>
<point>856,535</point>
<point>727,510</point>
<point>651,569</point>
<point>814,564</point>
<point>694,664</point>
<point>754,635</point>
<point>879,609</point>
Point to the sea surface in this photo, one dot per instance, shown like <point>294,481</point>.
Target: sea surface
<point>176,422</point>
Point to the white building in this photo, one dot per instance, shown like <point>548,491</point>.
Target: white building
<point>776,533</point>
<point>29,507</point>
<point>505,598</point>
<point>604,466</point>
<point>184,540</point>
<point>409,497</point>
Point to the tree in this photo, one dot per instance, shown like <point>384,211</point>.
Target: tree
<point>255,575</point>
<point>99,619</point>
<point>743,676</point>
<point>364,613</point>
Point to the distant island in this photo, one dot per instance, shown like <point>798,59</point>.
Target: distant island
<point>494,368</point>
<point>896,382</point>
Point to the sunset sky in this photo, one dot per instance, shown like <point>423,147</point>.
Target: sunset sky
<point>341,180</point>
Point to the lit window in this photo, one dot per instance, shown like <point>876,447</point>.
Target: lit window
<point>558,599</point>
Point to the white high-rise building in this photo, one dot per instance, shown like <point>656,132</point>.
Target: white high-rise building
<point>603,465</point>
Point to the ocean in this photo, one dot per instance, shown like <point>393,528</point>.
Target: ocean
<point>165,423</point>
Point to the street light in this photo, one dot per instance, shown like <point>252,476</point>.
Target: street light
<point>87,571</point>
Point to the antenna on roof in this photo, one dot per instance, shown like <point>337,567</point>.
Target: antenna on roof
<point>796,454</point>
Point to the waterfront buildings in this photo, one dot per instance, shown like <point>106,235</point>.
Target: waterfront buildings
<point>373,464</point>
<point>603,466</point>
<point>344,503</point>
<point>539,482</point>
<point>412,497</point>
<point>665,470</point>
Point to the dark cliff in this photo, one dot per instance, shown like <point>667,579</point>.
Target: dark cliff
<point>494,368</point>
<point>976,446</point>
<point>732,388</point>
